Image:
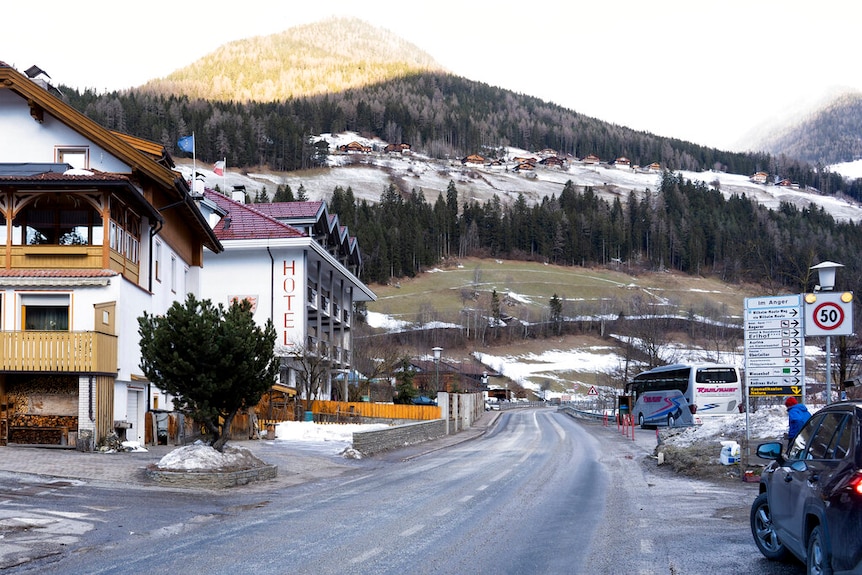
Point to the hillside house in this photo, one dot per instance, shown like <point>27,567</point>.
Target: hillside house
<point>591,159</point>
<point>97,229</point>
<point>473,159</point>
<point>654,167</point>
<point>299,267</point>
<point>553,162</point>
<point>398,149</point>
<point>759,177</point>
<point>528,160</point>
<point>623,163</point>
<point>354,148</point>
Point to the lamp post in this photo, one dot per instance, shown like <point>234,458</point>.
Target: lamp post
<point>437,351</point>
<point>826,273</point>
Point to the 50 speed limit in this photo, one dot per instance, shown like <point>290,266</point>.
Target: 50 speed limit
<point>828,316</point>
<point>829,313</point>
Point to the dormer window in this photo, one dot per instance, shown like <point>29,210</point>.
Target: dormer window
<point>75,156</point>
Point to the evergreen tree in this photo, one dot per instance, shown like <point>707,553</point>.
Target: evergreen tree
<point>283,193</point>
<point>556,306</point>
<point>214,361</point>
<point>301,195</point>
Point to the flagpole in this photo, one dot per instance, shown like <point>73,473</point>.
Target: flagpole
<point>194,162</point>
<point>224,176</point>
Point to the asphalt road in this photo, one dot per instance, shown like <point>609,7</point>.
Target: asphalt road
<point>539,493</point>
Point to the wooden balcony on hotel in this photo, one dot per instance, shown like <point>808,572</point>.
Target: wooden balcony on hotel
<point>58,351</point>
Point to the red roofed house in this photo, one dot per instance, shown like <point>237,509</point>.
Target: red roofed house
<point>96,228</point>
<point>300,268</point>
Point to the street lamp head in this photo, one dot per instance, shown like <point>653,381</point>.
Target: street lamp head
<point>437,351</point>
<point>826,271</point>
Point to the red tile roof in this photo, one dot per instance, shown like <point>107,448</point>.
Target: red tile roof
<point>72,177</point>
<point>279,210</point>
<point>246,222</point>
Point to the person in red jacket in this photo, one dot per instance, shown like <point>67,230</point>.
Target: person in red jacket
<point>797,415</point>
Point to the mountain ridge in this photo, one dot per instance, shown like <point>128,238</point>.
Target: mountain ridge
<point>296,63</point>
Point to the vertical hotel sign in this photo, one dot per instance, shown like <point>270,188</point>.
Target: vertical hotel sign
<point>774,346</point>
<point>286,321</point>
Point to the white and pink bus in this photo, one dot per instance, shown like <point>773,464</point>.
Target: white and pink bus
<point>706,389</point>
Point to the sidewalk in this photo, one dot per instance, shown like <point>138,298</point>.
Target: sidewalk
<point>295,465</point>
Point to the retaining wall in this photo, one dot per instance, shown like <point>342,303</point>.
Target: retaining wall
<point>371,442</point>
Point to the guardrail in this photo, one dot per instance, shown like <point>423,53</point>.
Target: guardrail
<point>625,424</point>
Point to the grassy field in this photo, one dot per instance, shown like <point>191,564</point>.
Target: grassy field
<point>442,293</point>
<point>525,289</point>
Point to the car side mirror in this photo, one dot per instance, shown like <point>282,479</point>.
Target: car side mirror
<point>771,451</point>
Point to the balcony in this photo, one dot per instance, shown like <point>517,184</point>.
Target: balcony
<point>58,352</point>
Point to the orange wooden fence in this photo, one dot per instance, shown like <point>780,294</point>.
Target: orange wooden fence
<point>346,410</point>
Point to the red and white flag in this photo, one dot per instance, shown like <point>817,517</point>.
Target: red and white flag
<point>218,168</point>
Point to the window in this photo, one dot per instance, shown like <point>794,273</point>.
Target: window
<point>173,274</point>
<point>822,444</point>
<point>803,439</point>
<point>125,231</point>
<point>49,312</point>
<point>157,260</point>
<point>57,219</point>
<point>75,156</point>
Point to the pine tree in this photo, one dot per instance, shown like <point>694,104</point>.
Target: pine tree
<point>301,196</point>
<point>283,193</point>
<point>214,361</point>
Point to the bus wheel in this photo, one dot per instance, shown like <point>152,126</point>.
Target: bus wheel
<point>641,420</point>
<point>670,421</point>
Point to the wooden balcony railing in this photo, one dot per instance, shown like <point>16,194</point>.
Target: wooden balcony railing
<point>58,351</point>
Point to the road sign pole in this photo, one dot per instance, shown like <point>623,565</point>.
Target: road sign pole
<point>828,370</point>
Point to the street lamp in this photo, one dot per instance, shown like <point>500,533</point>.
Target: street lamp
<point>437,351</point>
<point>826,273</point>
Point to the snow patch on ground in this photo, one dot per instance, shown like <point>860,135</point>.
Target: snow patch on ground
<point>202,457</point>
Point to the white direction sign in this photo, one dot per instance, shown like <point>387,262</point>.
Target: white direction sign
<point>774,345</point>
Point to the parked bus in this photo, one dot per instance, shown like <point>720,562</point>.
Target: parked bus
<point>680,394</point>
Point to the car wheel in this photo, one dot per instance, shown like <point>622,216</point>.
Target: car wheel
<point>817,562</point>
<point>763,531</point>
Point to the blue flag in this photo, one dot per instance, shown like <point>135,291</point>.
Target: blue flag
<point>187,144</point>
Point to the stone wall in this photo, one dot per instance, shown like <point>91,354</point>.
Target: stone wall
<point>371,442</point>
<point>212,479</point>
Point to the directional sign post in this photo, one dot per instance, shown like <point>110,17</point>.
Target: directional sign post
<point>774,346</point>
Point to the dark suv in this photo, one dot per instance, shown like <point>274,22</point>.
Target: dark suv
<point>810,502</point>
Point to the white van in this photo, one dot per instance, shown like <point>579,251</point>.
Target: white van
<point>668,407</point>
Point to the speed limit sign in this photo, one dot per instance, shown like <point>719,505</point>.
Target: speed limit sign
<point>828,313</point>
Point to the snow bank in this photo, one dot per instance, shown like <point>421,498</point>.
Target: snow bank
<point>201,457</point>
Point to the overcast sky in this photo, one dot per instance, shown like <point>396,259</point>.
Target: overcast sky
<point>707,71</point>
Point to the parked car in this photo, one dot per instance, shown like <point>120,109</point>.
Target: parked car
<point>810,501</point>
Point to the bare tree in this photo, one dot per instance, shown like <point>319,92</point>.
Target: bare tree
<point>312,367</point>
<point>375,356</point>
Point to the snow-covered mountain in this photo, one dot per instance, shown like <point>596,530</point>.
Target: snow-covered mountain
<point>368,174</point>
